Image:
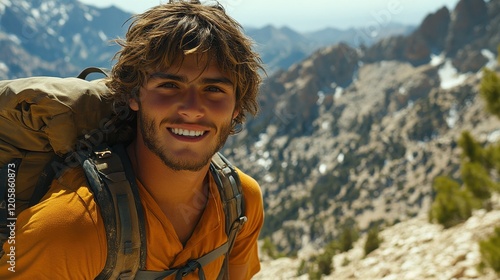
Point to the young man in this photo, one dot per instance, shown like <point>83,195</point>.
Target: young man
<point>190,76</point>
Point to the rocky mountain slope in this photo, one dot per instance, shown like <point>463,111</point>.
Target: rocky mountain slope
<point>359,134</point>
<point>56,37</point>
<point>413,249</point>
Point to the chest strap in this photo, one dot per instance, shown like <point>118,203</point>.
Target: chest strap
<point>190,267</point>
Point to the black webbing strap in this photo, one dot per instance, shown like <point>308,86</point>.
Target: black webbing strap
<point>190,267</point>
<point>90,70</point>
<point>113,192</point>
<point>129,173</point>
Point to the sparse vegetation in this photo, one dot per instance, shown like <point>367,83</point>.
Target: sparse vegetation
<point>274,221</point>
<point>346,261</point>
<point>303,267</point>
<point>348,236</point>
<point>490,91</point>
<point>373,240</point>
<point>322,264</point>
<point>477,180</point>
<point>269,249</point>
<point>452,205</point>
<point>480,169</point>
<point>490,251</point>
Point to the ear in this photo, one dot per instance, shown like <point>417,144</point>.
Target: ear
<point>133,104</point>
<point>236,113</point>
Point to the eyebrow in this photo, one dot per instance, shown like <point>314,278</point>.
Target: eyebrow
<point>183,79</point>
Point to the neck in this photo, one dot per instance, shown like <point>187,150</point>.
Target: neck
<point>164,184</point>
<point>181,195</point>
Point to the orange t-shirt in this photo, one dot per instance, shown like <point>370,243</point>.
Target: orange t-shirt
<point>63,236</point>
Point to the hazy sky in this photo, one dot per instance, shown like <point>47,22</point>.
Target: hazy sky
<point>310,15</point>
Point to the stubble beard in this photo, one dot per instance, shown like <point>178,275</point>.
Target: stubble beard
<point>151,133</point>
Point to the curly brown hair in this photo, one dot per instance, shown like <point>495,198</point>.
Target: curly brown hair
<point>170,31</point>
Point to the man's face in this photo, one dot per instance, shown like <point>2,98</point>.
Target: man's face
<point>185,113</point>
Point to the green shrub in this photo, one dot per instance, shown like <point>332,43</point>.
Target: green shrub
<point>325,262</point>
<point>303,268</point>
<point>348,236</point>
<point>346,261</point>
<point>490,251</point>
<point>493,159</point>
<point>452,205</point>
<point>314,275</point>
<point>471,149</point>
<point>269,248</point>
<point>372,240</point>
<point>322,265</point>
<point>477,180</point>
<point>490,91</point>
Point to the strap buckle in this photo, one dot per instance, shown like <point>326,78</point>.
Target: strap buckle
<point>190,267</point>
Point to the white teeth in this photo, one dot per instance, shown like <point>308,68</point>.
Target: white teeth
<point>185,132</point>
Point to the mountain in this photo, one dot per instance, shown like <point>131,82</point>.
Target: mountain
<point>357,135</point>
<point>282,47</point>
<point>61,37</point>
<point>461,34</point>
<point>56,37</point>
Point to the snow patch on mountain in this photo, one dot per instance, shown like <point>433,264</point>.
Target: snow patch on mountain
<point>449,75</point>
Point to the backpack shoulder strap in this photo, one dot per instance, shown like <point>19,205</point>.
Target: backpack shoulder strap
<point>229,184</point>
<point>90,70</point>
<point>111,179</point>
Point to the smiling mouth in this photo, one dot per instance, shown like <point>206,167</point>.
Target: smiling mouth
<point>187,133</point>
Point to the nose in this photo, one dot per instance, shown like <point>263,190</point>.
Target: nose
<point>191,105</point>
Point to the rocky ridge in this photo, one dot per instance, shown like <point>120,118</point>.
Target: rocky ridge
<point>413,249</point>
<point>56,37</point>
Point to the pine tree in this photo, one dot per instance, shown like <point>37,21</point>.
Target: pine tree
<point>471,149</point>
<point>477,180</point>
<point>452,204</point>
<point>490,90</point>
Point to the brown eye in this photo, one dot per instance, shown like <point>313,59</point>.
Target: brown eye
<point>167,85</point>
<point>214,89</point>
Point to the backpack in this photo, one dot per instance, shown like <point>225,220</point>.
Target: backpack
<point>49,124</point>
